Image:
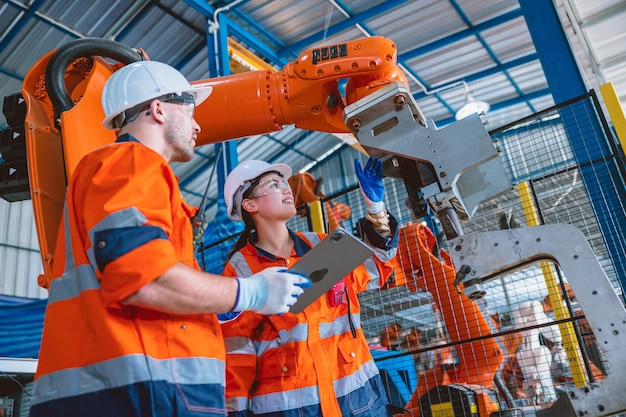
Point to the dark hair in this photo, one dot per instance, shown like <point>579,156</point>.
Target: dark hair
<point>245,235</point>
<point>248,221</point>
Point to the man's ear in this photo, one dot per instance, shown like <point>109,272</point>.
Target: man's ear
<point>156,110</point>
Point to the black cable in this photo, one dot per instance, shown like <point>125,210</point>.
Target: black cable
<point>12,378</point>
<point>352,328</point>
<point>198,221</point>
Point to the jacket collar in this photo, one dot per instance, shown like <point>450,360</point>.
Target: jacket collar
<point>126,137</point>
<point>300,246</point>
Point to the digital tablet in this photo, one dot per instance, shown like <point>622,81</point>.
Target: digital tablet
<point>328,262</point>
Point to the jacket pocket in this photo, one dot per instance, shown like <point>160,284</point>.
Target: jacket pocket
<point>202,399</point>
<point>362,399</point>
<point>278,363</point>
<point>361,396</point>
<point>276,387</point>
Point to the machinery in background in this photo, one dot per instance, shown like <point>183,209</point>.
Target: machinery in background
<point>451,170</point>
<point>307,190</point>
<point>456,168</point>
<point>13,167</point>
<point>467,388</point>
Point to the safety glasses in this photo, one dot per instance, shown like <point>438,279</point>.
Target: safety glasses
<point>268,187</point>
<point>185,99</point>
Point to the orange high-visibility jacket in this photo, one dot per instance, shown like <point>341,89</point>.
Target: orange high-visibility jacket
<point>306,364</point>
<point>125,224</point>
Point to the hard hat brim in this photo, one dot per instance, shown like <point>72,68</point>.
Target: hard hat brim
<point>201,93</point>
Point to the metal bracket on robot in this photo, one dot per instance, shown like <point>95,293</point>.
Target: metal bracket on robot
<point>488,256</point>
<point>463,167</point>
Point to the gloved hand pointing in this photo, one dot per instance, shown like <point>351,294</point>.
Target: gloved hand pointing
<point>371,184</point>
<point>271,291</point>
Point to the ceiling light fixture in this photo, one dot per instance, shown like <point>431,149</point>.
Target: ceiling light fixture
<point>471,105</point>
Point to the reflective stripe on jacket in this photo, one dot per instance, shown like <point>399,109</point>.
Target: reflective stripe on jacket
<point>125,224</point>
<point>306,364</point>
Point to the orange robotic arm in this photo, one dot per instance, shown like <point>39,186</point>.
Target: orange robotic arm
<point>304,93</point>
<point>63,121</point>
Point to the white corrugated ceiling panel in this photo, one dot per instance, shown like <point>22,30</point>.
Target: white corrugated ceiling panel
<point>20,263</point>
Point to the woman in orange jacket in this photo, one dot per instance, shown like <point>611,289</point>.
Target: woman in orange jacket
<point>317,362</point>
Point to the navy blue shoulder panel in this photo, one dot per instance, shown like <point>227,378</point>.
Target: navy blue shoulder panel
<point>110,244</point>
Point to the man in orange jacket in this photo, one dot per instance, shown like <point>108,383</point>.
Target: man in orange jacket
<point>130,328</point>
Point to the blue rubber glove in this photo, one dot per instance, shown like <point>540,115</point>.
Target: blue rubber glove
<point>271,291</point>
<point>371,184</point>
<point>305,284</point>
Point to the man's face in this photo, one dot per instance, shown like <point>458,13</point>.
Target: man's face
<point>181,132</point>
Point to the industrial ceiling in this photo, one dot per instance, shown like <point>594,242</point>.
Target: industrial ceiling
<point>503,50</point>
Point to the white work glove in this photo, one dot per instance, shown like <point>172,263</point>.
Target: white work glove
<point>371,184</point>
<point>271,291</point>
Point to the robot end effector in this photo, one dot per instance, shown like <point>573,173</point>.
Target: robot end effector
<point>452,170</point>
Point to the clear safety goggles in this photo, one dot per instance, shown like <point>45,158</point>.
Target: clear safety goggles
<point>268,187</point>
<point>185,99</point>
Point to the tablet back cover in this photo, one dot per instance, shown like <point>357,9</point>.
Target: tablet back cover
<point>327,263</point>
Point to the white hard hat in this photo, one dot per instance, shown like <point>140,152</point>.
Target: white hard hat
<point>240,180</point>
<point>141,82</point>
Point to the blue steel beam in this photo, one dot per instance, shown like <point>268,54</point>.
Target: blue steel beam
<point>433,46</point>
<point>239,32</point>
<point>229,156</point>
<point>483,74</point>
<point>565,82</point>
<point>488,72</point>
<point>229,26</point>
<point>555,54</point>
<point>244,20</point>
<point>202,7</point>
<point>505,104</point>
<point>256,45</point>
<point>487,48</point>
<point>297,47</point>
<point>12,74</point>
<point>211,51</point>
<point>30,12</point>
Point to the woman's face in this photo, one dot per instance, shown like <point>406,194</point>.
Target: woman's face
<point>272,197</point>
